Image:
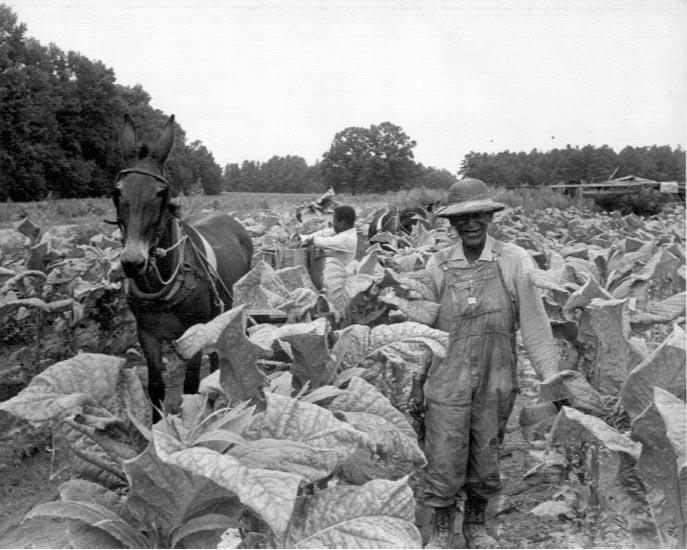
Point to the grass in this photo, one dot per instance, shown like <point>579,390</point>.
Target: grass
<point>92,211</point>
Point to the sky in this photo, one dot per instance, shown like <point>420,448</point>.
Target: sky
<point>255,79</point>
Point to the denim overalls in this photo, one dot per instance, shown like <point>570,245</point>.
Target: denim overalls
<point>470,395</point>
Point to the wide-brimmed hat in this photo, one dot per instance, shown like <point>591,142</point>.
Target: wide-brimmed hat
<point>469,196</point>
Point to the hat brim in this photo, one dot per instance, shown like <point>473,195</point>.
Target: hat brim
<point>470,207</point>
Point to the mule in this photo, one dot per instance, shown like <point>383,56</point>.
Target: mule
<point>399,220</point>
<point>179,272</point>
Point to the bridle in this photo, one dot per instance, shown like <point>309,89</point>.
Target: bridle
<point>163,208</point>
<point>170,287</point>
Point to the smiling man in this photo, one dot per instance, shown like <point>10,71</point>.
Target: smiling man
<point>485,294</point>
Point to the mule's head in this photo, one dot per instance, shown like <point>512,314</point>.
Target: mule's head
<point>142,196</point>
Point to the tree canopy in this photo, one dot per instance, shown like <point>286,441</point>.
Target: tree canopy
<point>574,165</point>
<point>374,159</point>
<point>60,117</point>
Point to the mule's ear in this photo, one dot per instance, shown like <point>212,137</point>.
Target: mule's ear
<point>164,144</point>
<point>128,138</point>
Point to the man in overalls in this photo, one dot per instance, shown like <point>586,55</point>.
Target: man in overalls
<point>486,294</point>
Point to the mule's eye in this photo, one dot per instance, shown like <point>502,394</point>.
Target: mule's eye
<point>161,193</point>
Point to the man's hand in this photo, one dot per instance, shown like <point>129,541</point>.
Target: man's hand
<point>416,403</point>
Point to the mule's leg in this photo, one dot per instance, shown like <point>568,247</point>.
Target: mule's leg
<point>192,377</point>
<point>152,350</point>
<point>214,361</point>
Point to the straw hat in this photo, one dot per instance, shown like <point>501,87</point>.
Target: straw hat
<point>469,196</point>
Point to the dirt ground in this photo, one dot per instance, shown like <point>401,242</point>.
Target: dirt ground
<point>30,475</point>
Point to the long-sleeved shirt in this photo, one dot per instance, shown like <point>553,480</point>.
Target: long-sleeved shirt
<point>341,246</point>
<point>517,268</point>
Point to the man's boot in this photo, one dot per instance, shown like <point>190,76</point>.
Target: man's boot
<point>442,528</point>
<point>475,531</point>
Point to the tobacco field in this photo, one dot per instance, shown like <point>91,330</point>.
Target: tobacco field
<point>302,438</point>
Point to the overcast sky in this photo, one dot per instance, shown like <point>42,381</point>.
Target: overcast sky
<point>256,79</point>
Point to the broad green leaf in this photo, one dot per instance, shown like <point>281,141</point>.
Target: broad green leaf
<point>379,514</point>
<point>260,288</point>
<point>311,355</point>
<point>269,493</point>
<point>288,418</point>
<point>299,303</point>
<point>86,379</point>
<point>295,277</point>
<point>236,419</point>
<point>94,515</point>
<point>664,368</point>
<point>572,386</point>
<point>239,376</point>
<point>82,490</point>
<point>168,495</point>
<point>205,336</point>
<point>661,458</point>
<point>660,312</point>
<point>321,393</point>
<point>615,356</point>
<point>226,437</point>
<point>414,342</point>
<point>658,279</point>
<point>341,287</point>
<point>573,427</point>
<point>672,411</point>
<point>310,462</point>
<point>367,410</point>
<point>364,397</point>
<point>97,454</point>
<point>210,528</point>
<point>583,296</point>
<point>418,311</point>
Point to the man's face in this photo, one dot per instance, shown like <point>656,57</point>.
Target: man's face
<point>472,228</point>
<point>339,225</point>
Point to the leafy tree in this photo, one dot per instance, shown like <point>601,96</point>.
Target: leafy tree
<point>375,159</point>
<point>231,177</point>
<point>433,178</point>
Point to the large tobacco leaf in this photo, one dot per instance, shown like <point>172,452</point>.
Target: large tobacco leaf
<point>239,376</point>
<point>86,379</point>
<point>573,427</point>
<point>310,462</point>
<point>341,287</point>
<point>291,419</point>
<point>310,352</point>
<point>84,535</point>
<point>379,514</point>
<point>663,368</point>
<point>615,356</point>
<point>260,288</point>
<point>415,342</point>
<point>271,494</point>
<point>94,515</point>
<point>98,444</point>
<point>661,430</point>
<point>167,495</point>
<point>395,441</point>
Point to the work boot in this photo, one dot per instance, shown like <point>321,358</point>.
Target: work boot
<point>442,528</point>
<point>476,533</point>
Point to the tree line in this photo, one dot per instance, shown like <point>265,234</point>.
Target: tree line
<point>575,165</point>
<point>60,117</point>
<point>61,113</point>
